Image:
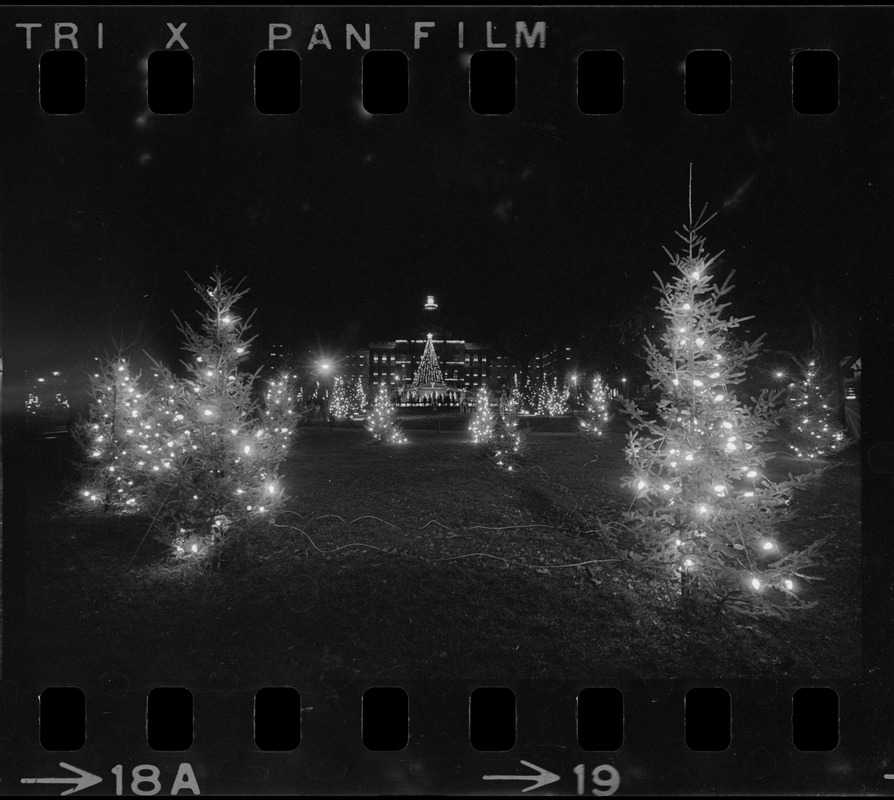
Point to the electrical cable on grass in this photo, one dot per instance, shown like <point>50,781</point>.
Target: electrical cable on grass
<point>448,558</point>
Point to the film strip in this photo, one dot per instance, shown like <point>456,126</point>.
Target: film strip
<point>450,221</point>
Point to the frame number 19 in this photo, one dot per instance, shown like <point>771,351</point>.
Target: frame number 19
<point>604,778</point>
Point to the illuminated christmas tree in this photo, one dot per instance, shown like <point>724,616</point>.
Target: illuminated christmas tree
<point>113,438</point>
<point>482,424</point>
<point>704,512</point>
<point>428,372</point>
<point>812,418</point>
<point>551,400</point>
<point>216,451</point>
<point>280,400</point>
<point>381,422</point>
<point>338,403</point>
<point>596,415</point>
<point>506,446</point>
<point>356,398</point>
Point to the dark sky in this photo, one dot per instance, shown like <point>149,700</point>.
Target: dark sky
<point>545,223</point>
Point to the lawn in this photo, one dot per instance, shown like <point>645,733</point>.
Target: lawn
<point>422,560</point>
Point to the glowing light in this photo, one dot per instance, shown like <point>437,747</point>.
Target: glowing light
<point>720,488</point>
<point>208,412</point>
<point>788,584</point>
<point>641,485</point>
<point>195,548</point>
<point>755,583</point>
<point>768,545</point>
<point>751,474</point>
<point>666,487</point>
<point>246,449</point>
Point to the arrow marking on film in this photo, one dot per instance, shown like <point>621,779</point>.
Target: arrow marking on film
<point>84,779</point>
<point>543,778</point>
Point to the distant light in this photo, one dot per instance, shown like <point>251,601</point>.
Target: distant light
<point>430,303</point>
<point>755,583</point>
<point>195,548</point>
<point>788,584</point>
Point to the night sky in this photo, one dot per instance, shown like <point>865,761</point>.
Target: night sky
<point>542,225</point>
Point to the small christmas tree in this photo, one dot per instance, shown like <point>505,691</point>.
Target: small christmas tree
<point>482,424</point>
<point>596,416</point>
<point>506,447</point>
<point>381,422</point>
<point>280,400</point>
<point>216,452</point>
<point>703,510</point>
<point>551,400</point>
<point>815,431</point>
<point>356,398</point>
<point>113,438</point>
<point>428,372</point>
<point>339,406</point>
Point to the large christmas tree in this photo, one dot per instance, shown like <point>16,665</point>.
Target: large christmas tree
<point>816,432</point>
<point>113,438</point>
<point>215,450</point>
<point>428,372</point>
<point>703,510</point>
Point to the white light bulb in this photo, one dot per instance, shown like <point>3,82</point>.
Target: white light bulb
<point>641,485</point>
<point>208,412</point>
<point>788,584</point>
<point>755,583</point>
<point>767,545</point>
<point>666,487</point>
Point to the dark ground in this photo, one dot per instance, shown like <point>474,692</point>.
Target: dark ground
<point>452,590</point>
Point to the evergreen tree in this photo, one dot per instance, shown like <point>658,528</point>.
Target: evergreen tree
<point>812,419</point>
<point>113,438</point>
<point>428,372</point>
<point>216,452</point>
<point>596,415</point>
<point>280,401</point>
<point>356,398</point>
<point>551,401</point>
<point>507,443</point>
<point>703,509</point>
<point>482,424</point>
<point>338,405</point>
<point>381,422</point>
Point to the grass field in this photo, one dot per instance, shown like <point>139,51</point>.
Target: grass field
<point>422,560</point>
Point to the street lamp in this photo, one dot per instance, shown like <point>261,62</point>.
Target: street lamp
<point>574,392</point>
<point>624,383</point>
